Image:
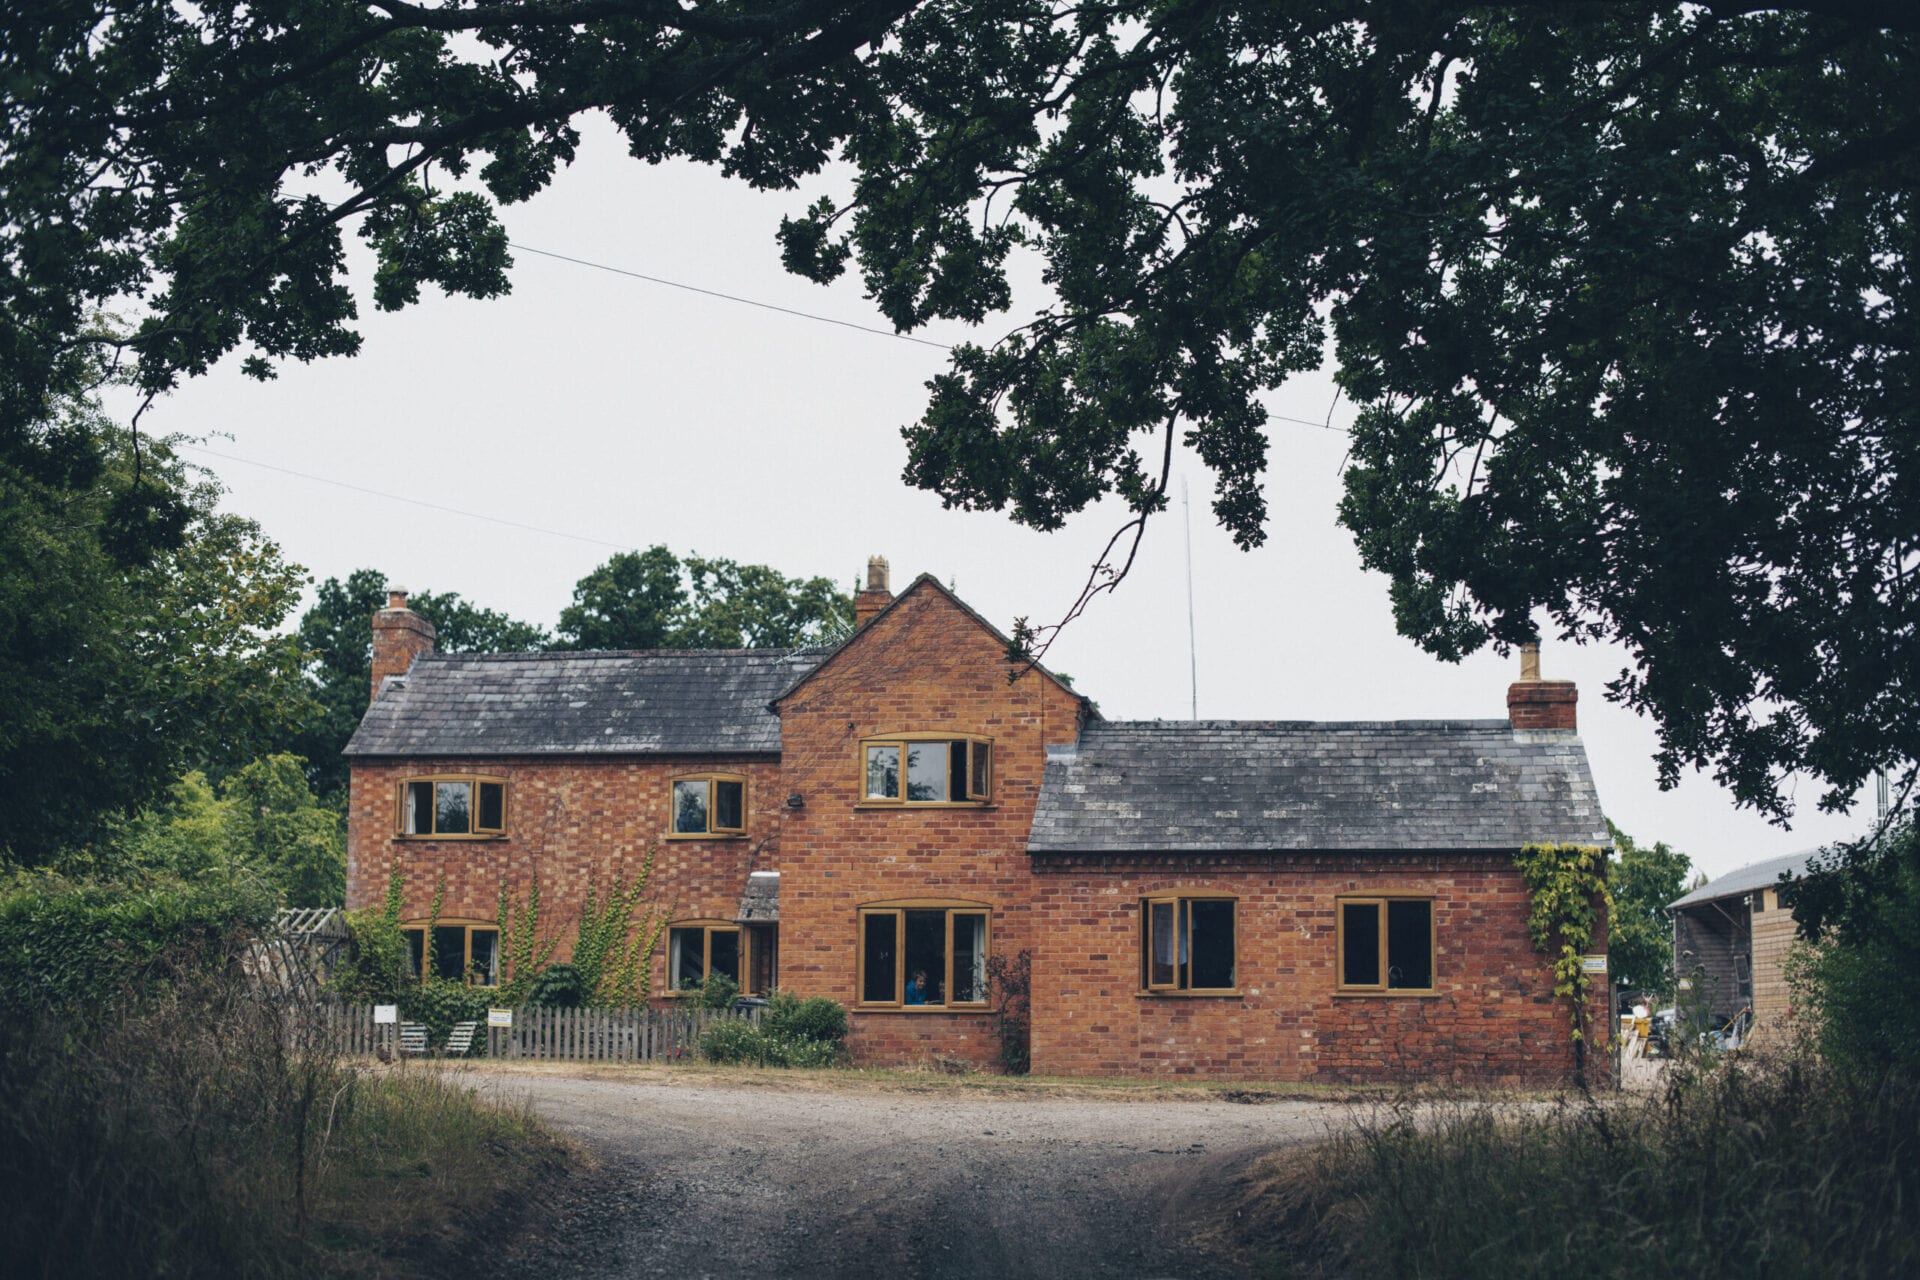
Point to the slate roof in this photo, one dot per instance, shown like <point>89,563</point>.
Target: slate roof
<point>761,902</point>
<point>1253,786</point>
<point>655,702</point>
<point>1744,880</point>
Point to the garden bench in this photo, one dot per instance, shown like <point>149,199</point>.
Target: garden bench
<point>460,1042</point>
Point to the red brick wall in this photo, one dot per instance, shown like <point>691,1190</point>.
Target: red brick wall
<point>1543,704</point>
<point>1493,1018</point>
<point>925,666</point>
<point>569,821</point>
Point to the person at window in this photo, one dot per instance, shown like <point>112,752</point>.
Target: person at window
<point>917,987</point>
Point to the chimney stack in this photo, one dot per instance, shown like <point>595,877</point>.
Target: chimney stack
<point>1533,703</point>
<point>875,596</point>
<point>399,636</point>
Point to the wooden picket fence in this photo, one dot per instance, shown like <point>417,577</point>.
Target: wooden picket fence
<point>562,1035</point>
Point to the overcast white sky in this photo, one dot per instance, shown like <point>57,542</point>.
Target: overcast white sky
<point>626,414</point>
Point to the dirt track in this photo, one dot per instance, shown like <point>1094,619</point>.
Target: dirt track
<point>708,1178</point>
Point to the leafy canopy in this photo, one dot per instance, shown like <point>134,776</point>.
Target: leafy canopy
<point>1642,880</point>
<point>137,634</point>
<point>1619,288</point>
<point>653,600</point>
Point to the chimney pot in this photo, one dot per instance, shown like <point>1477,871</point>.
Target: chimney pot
<point>396,597</point>
<point>875,596</point>
<point>1530,660</point>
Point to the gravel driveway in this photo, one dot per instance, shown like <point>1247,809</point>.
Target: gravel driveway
<point>704,1177</point>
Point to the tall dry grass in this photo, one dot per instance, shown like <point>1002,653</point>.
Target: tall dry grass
<point>1772,1168</point>
<point>204,1126</point>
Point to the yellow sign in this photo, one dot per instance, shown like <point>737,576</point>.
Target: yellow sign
<point>499,1017</point>
<point>1593,964</point>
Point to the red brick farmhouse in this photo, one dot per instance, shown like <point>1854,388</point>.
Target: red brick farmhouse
<point>1278,900</point>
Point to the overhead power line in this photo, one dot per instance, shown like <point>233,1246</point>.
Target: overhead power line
<point>400,497</point>
<point>731,297</point>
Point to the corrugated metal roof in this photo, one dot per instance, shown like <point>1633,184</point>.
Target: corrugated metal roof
<point>1758,875</point>
<point>1248,786</point>
<point>668,701</point>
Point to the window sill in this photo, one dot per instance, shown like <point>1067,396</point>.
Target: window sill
<point>482,835</point>
<point>1426,993</point>
<point>922,1008</point>
<point>898,806</point>
<point>704,835</point>
<point>1190,995</point>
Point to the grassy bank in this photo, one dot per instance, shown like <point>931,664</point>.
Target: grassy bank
<point>1776,1169</point>
<point>197,1123</point>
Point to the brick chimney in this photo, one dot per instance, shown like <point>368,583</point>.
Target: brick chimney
<point>875,596</point>
<point>399,636</point>
<point>1533,703</point>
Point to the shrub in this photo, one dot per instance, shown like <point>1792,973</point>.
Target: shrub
<point>441,1002</point>
<point>792,1032</point>
<point>718,992</point>
<point>813,1018</point>
<point>1010,987</point>
<point>559,986</point>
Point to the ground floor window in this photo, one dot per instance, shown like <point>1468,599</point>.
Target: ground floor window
<point>1386,944</point>
<point>699,948</point>
<point>1188,943</point>
<point>467,952</point>
<point>923,955</point>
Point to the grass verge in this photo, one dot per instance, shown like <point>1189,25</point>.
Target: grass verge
<point>1775,1169</point>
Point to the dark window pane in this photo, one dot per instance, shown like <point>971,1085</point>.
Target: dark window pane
<point>686,958</point>
<point>1212,944</point>
<point>450,953</point>
<point>927,771</point>
<point>419,809</point>
<point>883,773</point>
<point>927,955</point>
<point>1410,945</point>
<point>451,805</point>
<point>1360,950</point>
<point>1160,946</point>
<point>723,945</point>
<point>957,770</point>
<point>969,958</point>
<point>690,807</point>
<point>416,950</point>
<point>729,800</point>
<point>485,964</point>
<point>982,769</point>
<point>882,958</point>
<point>493,806</point>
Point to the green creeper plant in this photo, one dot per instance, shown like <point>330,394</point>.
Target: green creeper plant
<point>524,952</point>
<point>1568,884</point>
<point>615,949</point>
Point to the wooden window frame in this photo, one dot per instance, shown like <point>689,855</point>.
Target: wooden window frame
<point>473,780</point>
<point>1182,901</point>
<point>1379,989</point>
<point>898,908</point>
<point>708,928</point>
<point>426,927</point>
<point>902,741</point>
<point>711,833</point>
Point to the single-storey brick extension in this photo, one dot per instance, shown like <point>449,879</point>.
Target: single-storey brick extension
<point>1273,900</point>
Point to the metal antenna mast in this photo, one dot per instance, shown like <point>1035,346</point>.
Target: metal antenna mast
<point>1193,660</point>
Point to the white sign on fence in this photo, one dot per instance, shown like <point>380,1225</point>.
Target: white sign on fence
<point>499,1017</point>
<point>386,1013</point>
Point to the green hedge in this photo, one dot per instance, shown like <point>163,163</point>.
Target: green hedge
<point>66,945</point>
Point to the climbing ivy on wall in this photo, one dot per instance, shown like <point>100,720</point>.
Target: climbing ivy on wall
<point>1568,884</point>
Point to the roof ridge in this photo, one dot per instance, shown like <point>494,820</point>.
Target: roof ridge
<point>802,652</point>
<point>1107,726</point>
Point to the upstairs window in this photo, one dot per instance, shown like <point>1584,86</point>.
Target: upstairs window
<point>709,805</point>
<point>463,952</point>
<point>453,805</point>
<point>924,769</point>
<point>1188,944</point>
<point>1386,944</point>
